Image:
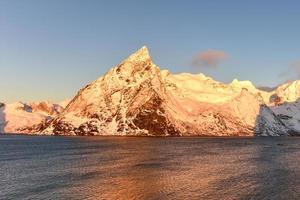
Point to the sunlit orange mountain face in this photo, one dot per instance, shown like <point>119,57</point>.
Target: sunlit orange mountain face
<point>137,98</point>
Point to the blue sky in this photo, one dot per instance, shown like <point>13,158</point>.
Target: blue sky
<point>50,49</point>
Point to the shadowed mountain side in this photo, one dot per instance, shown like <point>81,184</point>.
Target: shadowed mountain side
<point>2,118</point>
<point>269,124</point>
<point>288,113</point>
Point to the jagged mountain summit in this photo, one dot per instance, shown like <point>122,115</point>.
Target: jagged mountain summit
<point>137,98</point>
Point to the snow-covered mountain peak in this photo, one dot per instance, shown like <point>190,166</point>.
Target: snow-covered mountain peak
<point>141,55</point>
<point>136,66</point>
<point>134,75</point>
<point>242,84</point>
<point>289,92</point>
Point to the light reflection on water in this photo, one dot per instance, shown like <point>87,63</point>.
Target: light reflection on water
<point>40,167</point>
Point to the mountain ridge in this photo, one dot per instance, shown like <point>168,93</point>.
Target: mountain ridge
<point>137,98</point>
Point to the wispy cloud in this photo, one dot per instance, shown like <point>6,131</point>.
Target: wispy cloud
<point>292,72</point>
<point>209,58</point>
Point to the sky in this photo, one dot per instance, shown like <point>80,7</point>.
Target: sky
<point>51,49</point>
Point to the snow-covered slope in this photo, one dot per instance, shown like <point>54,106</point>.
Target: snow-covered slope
<point>137,98</point>
<point>25,118</point>
<point>289,113</point>
<point>288,92</point>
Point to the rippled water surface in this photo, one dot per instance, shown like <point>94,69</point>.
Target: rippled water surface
<point>41,167</point>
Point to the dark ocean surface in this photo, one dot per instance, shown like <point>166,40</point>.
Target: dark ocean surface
<point>48,167</point>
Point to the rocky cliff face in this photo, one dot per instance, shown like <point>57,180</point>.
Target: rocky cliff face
<point>45,107</point>
<point>137,98</point>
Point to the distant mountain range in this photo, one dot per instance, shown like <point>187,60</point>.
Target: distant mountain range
<point>137,98</point>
